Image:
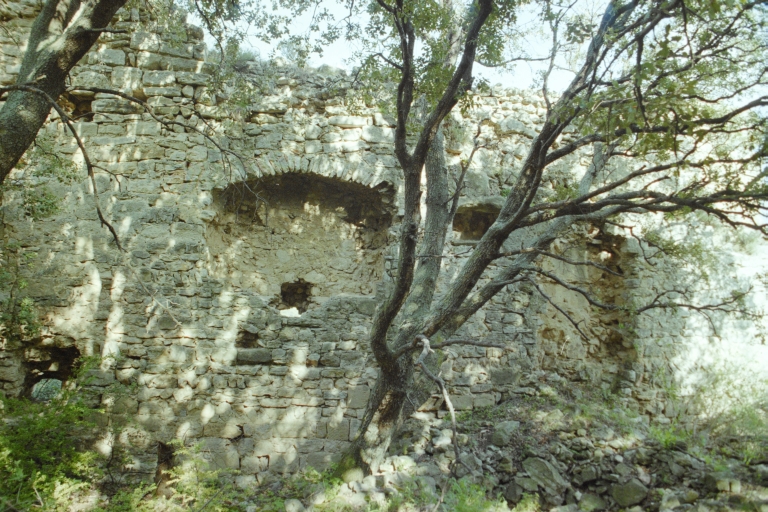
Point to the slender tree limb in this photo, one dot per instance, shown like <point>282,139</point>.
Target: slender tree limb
<point>559,309</point>
<point>441,384</point>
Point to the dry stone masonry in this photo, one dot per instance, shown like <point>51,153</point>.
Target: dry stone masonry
<point>238,315</point>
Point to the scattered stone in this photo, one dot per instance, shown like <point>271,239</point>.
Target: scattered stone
<point>590,502</point>
<point>294,506</point>
<point>545,475</point>
<point>631,493</point>
<point>502,435</point>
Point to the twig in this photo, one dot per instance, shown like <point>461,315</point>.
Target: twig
<point>106,30</point>
<point>576,289</point>
<point>211,499</point>
<point>442,495</point>
<point>561,310</point>
<point>152,296</point>
<point>88,164</point>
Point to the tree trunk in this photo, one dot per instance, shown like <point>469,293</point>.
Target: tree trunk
<point>61,35</point>
<point>383,418</point>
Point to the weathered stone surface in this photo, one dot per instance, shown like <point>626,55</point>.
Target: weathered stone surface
<point>590,502</point>
<point>503,432</point>
<point>348,121</point>
<point>116,106</point>
<point>505,376</point>
<point>631,493</point>
<point>545,475</point>
<point>378,135</point>
<point>159,78</point>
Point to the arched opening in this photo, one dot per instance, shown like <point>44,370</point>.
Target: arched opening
<point>299,238</point>
<point>47,370</point>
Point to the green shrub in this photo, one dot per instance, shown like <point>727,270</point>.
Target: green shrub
<point>41,464</point>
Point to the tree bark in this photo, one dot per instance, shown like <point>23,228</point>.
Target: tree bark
<point>61,35</point>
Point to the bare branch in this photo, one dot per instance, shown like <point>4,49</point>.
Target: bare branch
<point>441,384</point>
<point>576,289</point>
<point>561,310</point>
<point>88,164</point>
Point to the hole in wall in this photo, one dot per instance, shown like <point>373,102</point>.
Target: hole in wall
<point>48,364</point>
<point>472,223</point>
<point>163,475</point>
<point>78,107</point>
<point>247,339</point>
<point>295,295</point>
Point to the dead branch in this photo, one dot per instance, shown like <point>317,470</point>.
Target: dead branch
<point>575,262</point>
<point>437,379</point>
<point>415,345</point>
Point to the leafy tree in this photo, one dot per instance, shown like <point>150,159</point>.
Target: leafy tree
<point>665,97</point>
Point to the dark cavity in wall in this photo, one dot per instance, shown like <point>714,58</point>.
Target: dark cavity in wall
<point>364,207</point>
<point>472,222</point>
<point>246,339</point>
<point>163,475</point>
<point>45,366</point>
<point>77,106</point>
<point>295,295</point>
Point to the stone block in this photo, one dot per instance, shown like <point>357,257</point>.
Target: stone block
<point>145,128</point>
<point>502,435</point>
<point>126,79</point>
<point>170,92</point>
<point>109,57</point>
<point>252,464</point>
<point>254,356</point>
<point>378,135</point>
<point>358,397</point>
<point>181,64</point>
<point>11,373</point>
<point>149,61</point>
<point>348,121</point>
<point>85,129</point>
<point>159,78</point>
<point>462,402</point>
<point>145,41</point>
<point>484,400</point>
<point>312,146</point>
<point>631,493</point>
<point>220,452</point>
<point>505,376</point>
<point>116,106</point>
<point>190,78</point>
<point>338,431</point>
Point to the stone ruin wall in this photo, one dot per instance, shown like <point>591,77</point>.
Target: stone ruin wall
<point>238,314</point>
